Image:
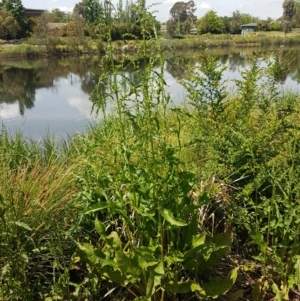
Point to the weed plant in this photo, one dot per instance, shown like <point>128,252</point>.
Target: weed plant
<point>143,198</point>
<point>158,202</point>
<point>250,141</point>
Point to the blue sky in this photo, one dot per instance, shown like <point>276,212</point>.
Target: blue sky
<point>262,8</point>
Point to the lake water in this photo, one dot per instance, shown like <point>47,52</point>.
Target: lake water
<point>53,95</point>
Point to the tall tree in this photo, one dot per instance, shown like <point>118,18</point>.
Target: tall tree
<point>210,23</point>
<point>171,25</point>
<point>93,11</point>
<point>79,10</point>
<point>296,17</point>
<point>183,10</point>
<point>18,11</point>
<point>59,16</point>
<point>289,9</point>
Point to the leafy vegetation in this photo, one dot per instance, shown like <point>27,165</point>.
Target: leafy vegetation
<point>158,202</point>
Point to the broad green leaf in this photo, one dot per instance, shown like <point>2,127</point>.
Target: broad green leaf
<point>86,251</point>
<point>174,257</point>
<point>282,293</point>
<point>114,241</point>
<point>188,287</point>
<point>169,217</point>
<point>198,240</point>
<point>207,255</point>
<point>204,199</point>
<point>218,287</point>
<point>258,240</point>
<point>150,285</point>
<point>160,270</point>
<point>108,273</point>
<point>144,256</point>
<point>100,228</point>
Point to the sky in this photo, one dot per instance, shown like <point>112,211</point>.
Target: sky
<point>262,8</point>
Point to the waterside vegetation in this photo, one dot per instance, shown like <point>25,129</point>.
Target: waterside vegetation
<point>157,201</point>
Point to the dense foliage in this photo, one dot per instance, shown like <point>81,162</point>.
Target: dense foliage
<point>18,11</point>
<point>159,202</point>
<point>9,27</point>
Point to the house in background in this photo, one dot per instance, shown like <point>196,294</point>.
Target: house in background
<point>251,27</point>
<point>32,12</point>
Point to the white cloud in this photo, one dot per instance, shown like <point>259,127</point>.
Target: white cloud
<point>84,106</point>
<point>8,111</point>
<point>203,5</point>
<point>170,1</point>
<point>63,8</point>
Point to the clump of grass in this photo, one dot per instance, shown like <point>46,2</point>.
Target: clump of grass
<point>23,50</point>
<point>39,218</point>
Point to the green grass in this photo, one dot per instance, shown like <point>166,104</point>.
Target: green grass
<point>226,40</point>
<point>71,46</point>
<point>23,51</point>
<point>159,202</point>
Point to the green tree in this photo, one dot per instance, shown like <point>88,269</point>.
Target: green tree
<point>226,21</point>
<point>274,25</point>
<point>238,19</point>
<point>247,18</point>
<point>286,26</point>
<point>181,11</point>
<point>59,16</point>
<point>93,11</point>
<point>289,9</point>
<point>210,23</point>
<point>296,17</point>
<point>18,11</point>
<point>79,10</point>
<point>263,25</point>
<point>9,27</point>
<point>171,26</point>
<point>76,32</point>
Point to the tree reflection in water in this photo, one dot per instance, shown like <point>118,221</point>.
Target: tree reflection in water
<point>19,80</point>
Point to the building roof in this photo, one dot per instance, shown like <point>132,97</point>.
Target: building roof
<point>249,25</point>
<point>33,12</point>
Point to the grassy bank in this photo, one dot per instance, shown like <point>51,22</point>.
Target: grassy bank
<point>159,202</point>
<point>68,46</point>
<point>264,39</point>
<point>195,201</point>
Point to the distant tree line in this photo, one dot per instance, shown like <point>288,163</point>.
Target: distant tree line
<point>89,18</point>
<point>182,20</point>
<point>93,18</point>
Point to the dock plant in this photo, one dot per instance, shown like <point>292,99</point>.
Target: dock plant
<point>144,198</point>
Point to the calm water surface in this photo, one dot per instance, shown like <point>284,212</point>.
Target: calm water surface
<point>54,94</point>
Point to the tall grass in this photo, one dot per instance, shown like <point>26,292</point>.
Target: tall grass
<point>213,41</point>
<point>158,202</point>
<point>23,51</point>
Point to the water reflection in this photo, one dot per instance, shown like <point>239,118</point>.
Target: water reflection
<point>55,93</point>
